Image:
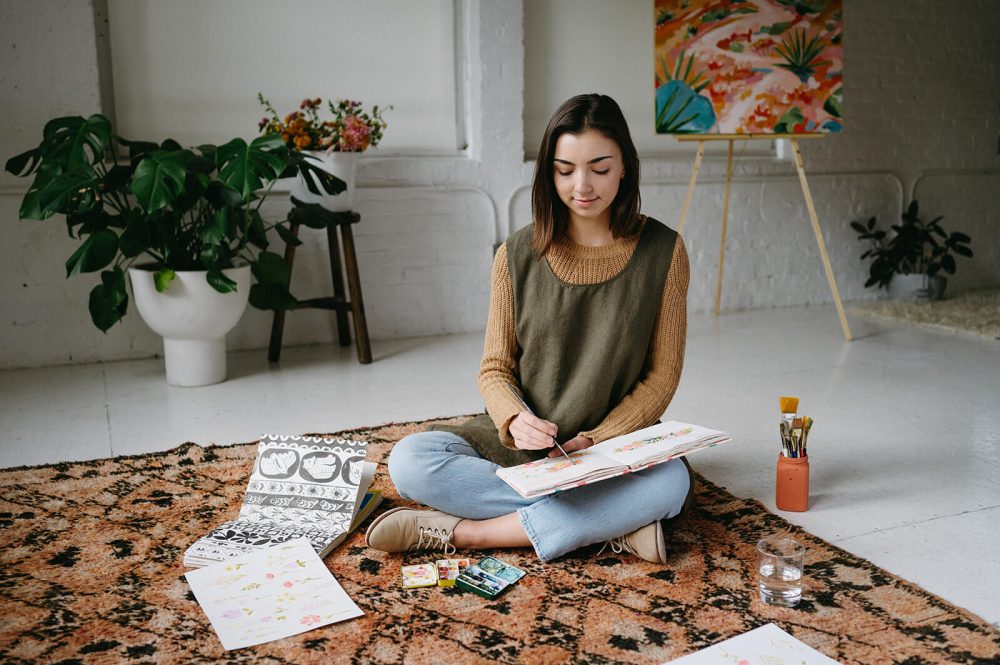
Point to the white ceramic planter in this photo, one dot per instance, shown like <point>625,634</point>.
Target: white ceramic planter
<point>193,319</point>
<point>344,165</point>
<point>917,288</point>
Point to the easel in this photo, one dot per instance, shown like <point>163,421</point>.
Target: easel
<point>702,139</point>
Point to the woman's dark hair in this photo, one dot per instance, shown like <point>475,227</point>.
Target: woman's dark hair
<point>575,116</point>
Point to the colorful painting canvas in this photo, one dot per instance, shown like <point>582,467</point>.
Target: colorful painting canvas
<point>748,67</point>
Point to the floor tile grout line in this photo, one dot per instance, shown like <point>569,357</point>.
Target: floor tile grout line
<point>917,523</point>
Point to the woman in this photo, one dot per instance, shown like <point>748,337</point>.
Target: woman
<point>587,325</point>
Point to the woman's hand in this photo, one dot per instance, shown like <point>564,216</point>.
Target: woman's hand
<point>576,443</point>
<point>531,432</point>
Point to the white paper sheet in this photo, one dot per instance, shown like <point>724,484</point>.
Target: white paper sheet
<point>267,595</point>
<point>767,645</point>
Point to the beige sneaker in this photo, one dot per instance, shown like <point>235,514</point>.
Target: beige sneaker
<point>646,543</point>
<point>406,529</point>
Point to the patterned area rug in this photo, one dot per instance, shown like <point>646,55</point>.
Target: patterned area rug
<point>90,571</point>
<point>972,313</point>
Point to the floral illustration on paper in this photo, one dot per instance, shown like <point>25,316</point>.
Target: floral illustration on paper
<point>290,591</point>
<point>748,66</point>
<point>562,464</point>
<point>641,443</point>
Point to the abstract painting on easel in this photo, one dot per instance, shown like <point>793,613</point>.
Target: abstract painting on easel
<point>750,67</point>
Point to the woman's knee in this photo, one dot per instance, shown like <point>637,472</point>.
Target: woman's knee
<point>412,460</point>
<point>403,462</point>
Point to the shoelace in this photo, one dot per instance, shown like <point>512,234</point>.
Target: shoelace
<point>434,539</point>
<point>617,545</point>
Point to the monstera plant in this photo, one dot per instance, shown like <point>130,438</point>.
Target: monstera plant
<point>180,209</point>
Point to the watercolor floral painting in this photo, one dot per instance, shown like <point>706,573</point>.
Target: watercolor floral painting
<point>290,591</point>
<point>748,67</point>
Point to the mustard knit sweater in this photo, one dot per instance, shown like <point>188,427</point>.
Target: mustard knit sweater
<point>578,264</point>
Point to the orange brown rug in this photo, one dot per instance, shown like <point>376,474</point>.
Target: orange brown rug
<point>90,572</point>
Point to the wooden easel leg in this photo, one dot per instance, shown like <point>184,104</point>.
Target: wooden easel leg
<point>819,239</point>
<point>725,219</point>
<point>278,324</point>
<point>357,301</point>
<point>694,178</point>
<point>337,275</point>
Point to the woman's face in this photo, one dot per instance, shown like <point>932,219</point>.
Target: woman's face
<point>587,170</point>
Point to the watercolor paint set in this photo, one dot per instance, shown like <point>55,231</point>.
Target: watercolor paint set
<point>419,575</point>
<point>449,569</point>
<point>443,572</point>
<point>489,577</point>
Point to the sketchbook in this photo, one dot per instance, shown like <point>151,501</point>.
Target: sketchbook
<point>310,487</point>
<point>623,454</point>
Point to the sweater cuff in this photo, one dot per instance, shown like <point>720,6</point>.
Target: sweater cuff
<point>503,408</point>
<point>596,435</point>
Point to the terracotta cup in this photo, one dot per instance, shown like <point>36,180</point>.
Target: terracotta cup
<point>792,487</point>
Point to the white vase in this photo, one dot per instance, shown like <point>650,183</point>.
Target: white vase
<point>344,165</point>
<point>193,319</point>
<point>917,287</point>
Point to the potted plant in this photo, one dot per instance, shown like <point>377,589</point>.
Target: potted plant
<point>908,263</point>
<point>332,145</point>
<point>184,222</point>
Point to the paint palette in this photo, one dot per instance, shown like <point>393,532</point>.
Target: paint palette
<point>489,577</point>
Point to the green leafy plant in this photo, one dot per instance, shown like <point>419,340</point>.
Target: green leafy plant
<point>916,247</point>
<point>178,208</point>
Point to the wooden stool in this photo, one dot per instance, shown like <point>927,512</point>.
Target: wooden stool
<point>355,305</point>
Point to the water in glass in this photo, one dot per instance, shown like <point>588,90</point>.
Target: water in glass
<point>780,584</point>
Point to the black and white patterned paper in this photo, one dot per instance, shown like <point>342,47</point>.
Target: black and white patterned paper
<point>300,486</point>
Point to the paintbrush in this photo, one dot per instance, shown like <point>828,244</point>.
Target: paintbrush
<point>789,405</point>
<point>528,409</point>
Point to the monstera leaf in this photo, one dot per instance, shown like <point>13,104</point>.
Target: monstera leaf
<point>158,180</point>
<point>244,167</point>
<point>681,110</point>
<point>77,143</point>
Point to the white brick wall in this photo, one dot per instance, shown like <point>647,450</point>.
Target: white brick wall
<point>922,106</point>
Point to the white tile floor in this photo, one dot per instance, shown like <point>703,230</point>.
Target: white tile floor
<point>905,453</point>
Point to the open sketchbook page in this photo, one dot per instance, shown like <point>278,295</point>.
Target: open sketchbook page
<point>305,481</point>
<point>270,594</point>
<point>614,457</point>
<point>360,504</point>
<point>659,442</point>
<point>767,645</point>
<point>551,472</point>
<point>299,486</point>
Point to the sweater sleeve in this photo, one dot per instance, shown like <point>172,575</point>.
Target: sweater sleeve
<point>664,360</point>
<point>496,371</point>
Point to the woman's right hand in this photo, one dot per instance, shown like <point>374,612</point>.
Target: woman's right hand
<point>531,432</point>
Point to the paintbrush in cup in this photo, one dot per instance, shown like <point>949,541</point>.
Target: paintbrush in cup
<point>528,409</point>
<point>788,405</point>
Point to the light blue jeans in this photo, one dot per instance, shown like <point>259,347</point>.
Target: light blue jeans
<point>441,470</point>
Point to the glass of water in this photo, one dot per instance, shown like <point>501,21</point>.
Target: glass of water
<point>779,570</point>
